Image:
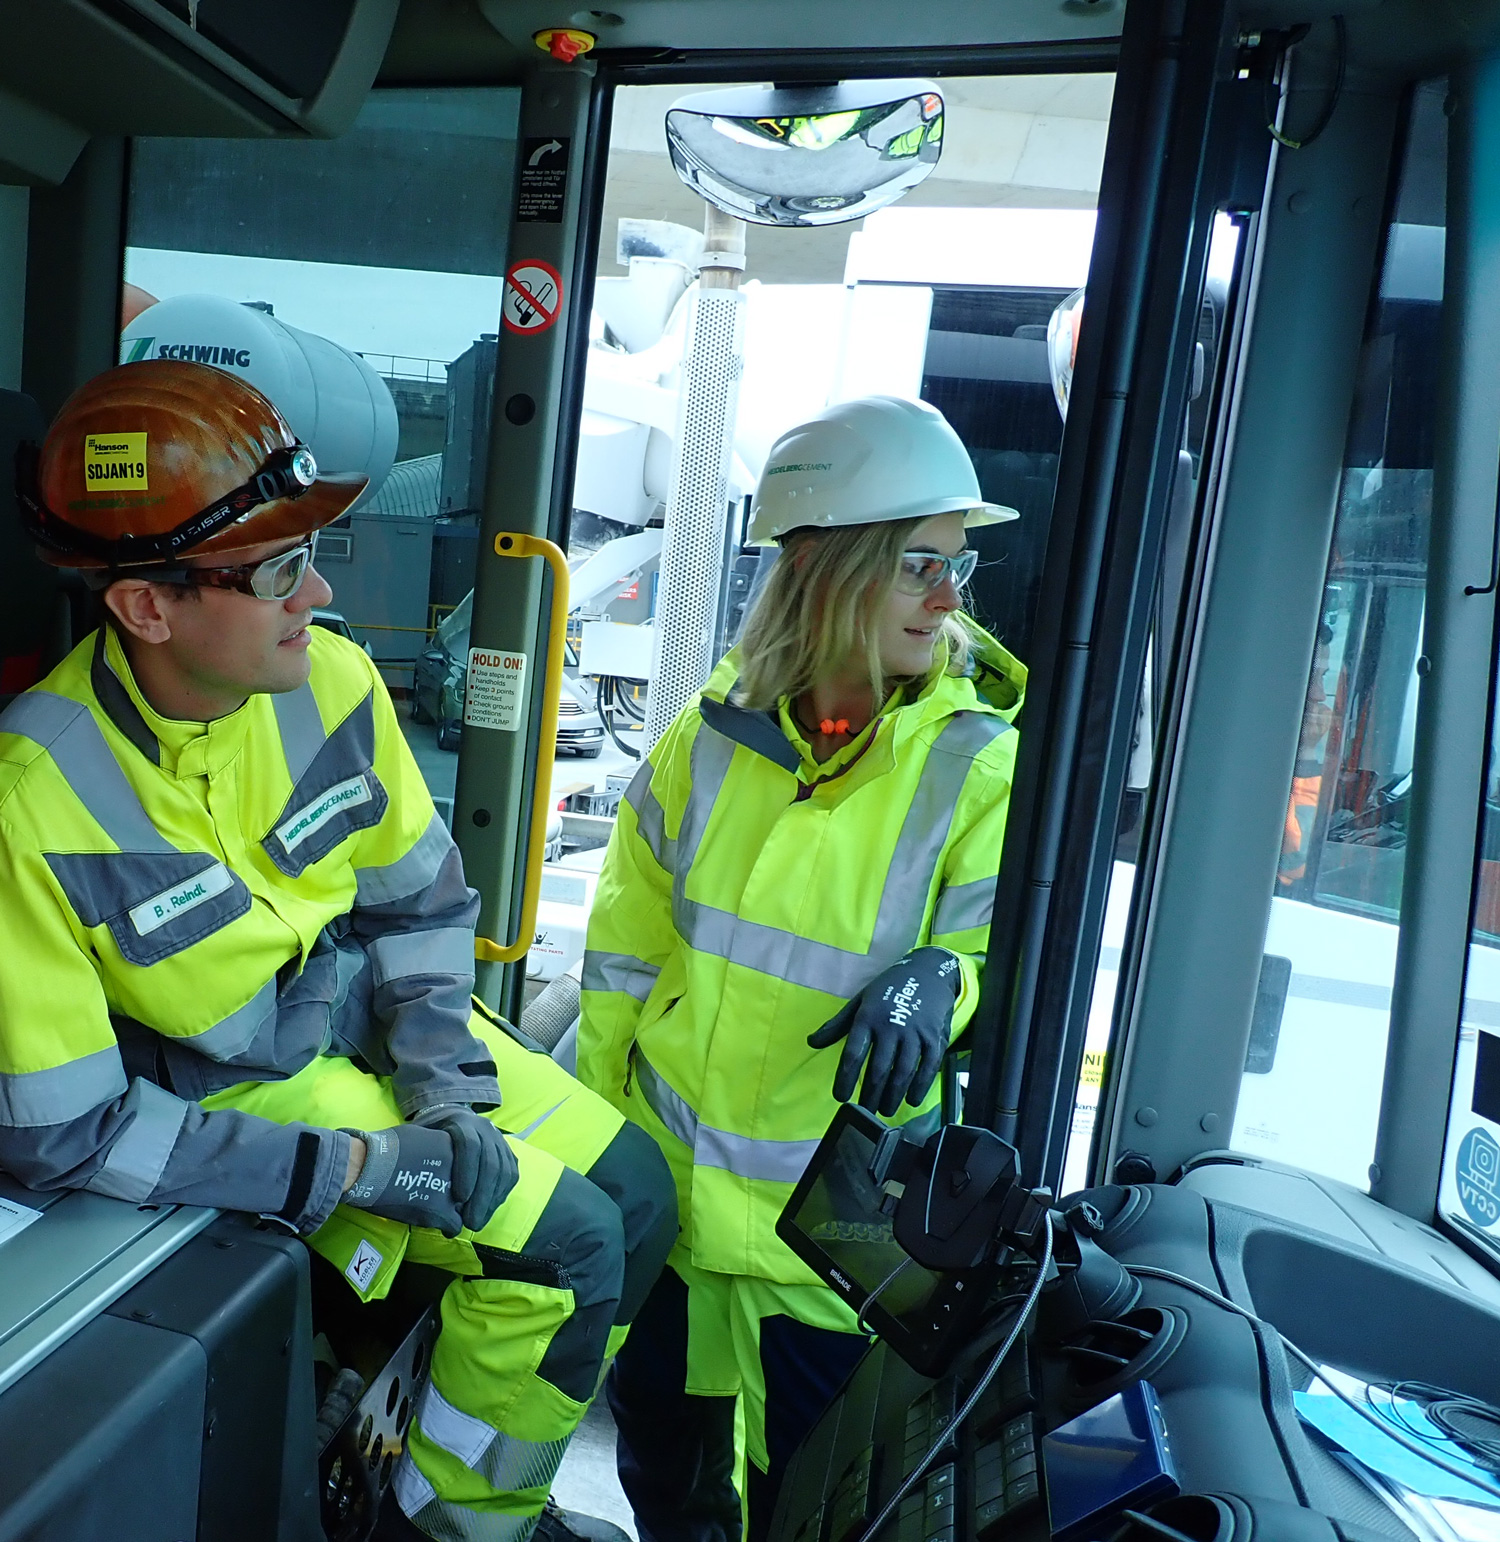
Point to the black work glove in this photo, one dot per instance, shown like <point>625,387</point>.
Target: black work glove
<point>900,1021</point>
<point>484,1166</point>
<point>407,1177</point>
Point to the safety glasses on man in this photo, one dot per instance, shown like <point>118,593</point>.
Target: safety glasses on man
<point>277,578</point>
<point>921,572</point>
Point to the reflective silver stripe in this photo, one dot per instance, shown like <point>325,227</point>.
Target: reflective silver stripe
<point>709,762</point>
<point>440,950</point>
<point>619,972</point>
<point>666,1103</point>
<point>507,1464</point>
<point>909,878</point>
<point>301,725</point>
<point>67,731</point>
<point>962,906</point>
<point>513,1465</point>
<point>413,1491</point>
<point>233,1035</point>
<point>650,818</point>
<point>139,1156</point>
<point>779,1161</point>
<point>458,1433</point>
<point>536,1124</point>
<point>406,875</point>
<point>62,1092</point>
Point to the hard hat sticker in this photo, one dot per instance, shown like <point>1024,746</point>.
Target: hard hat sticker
<point>114,462</point>
<point>533,296</point>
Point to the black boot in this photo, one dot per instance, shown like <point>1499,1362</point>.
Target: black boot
<point>559,1525</point>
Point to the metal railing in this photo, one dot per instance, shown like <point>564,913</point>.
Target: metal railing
<point>400,366</point>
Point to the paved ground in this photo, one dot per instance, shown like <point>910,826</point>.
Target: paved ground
<point>586,1480</point>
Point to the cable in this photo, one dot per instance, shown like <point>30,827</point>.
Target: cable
<point>1341,30</point>
<point>1364,1410</point>
<point>603,700</point>
<point>859,1322</point>
<point>919,1471</point>
<point>1445,1409</point>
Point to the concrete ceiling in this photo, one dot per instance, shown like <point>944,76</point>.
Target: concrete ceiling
<point>1009,141</point>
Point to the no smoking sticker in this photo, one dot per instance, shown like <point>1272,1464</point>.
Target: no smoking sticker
<point>493,692</point>
<point>533,296</point>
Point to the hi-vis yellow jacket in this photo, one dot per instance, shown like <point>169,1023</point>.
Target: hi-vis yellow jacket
<point>188,906</point>
<point>748,892</point>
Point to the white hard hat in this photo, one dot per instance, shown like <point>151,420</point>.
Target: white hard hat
<point>865,462</point>
<point>1062,348</point>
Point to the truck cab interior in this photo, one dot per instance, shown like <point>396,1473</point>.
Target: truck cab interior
<point>1240,1007</point>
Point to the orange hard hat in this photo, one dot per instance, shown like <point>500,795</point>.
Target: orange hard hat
<point>151,462</point>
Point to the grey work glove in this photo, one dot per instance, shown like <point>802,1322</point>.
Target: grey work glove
<point>484,1166</point>
<point>899,1022</point>
<point>407,1177</point>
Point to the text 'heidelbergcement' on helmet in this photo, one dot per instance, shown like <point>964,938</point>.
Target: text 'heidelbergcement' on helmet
<point>865,462</point>
<point>151,462</point>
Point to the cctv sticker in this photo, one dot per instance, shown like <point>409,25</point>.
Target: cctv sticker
<point>493,692</point>
<point>114,462</point>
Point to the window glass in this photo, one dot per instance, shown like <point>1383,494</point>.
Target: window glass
<point>1310,1094</point>
<point>1222,259</point>
<point>945,296</point>
<point>357,282</point>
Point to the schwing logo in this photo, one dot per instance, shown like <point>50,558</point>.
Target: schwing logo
<point>226,356</point>
<point>311,818</point>
<point>180,899</point>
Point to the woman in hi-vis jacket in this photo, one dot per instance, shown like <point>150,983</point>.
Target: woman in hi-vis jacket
<point>794,911</point>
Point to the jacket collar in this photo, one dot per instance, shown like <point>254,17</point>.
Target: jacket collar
<point>180,747</point>
<point>996,683</point>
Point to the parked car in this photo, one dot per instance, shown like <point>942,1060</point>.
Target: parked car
<point>334,621</point>
<point>438,690</point>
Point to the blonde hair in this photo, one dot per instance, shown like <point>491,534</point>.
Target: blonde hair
<point>819,610</point>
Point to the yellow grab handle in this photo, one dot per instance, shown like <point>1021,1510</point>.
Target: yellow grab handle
<point>508,545</point>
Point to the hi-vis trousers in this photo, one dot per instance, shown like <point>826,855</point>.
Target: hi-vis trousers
<point>542,1294</point>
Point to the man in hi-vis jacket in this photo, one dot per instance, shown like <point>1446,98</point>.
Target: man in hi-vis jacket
<point>240,947</point>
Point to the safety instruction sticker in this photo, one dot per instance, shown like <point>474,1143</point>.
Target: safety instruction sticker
<point>493,692</point>
<point>15,1218</point>
<point>362,1266</point>
<point>533,296</point>
<point>542,185</point>
<point>114,462</point>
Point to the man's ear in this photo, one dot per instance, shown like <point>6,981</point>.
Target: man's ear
<point>137,606</point>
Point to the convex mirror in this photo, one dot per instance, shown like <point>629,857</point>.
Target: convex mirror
<point>807,155</point>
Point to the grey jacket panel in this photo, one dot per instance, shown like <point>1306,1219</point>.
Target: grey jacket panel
<point>153,1148</point>
<point>154,903</point>
<point>336,795</point>
<point>421,949</point>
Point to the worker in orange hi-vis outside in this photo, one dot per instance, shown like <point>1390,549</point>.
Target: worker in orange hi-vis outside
<point>1307,775</point>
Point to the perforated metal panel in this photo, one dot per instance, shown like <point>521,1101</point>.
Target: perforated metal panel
<point>693,543</point>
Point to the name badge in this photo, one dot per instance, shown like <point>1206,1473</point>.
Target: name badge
<point>180,899</point>
<point>307,821</point>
